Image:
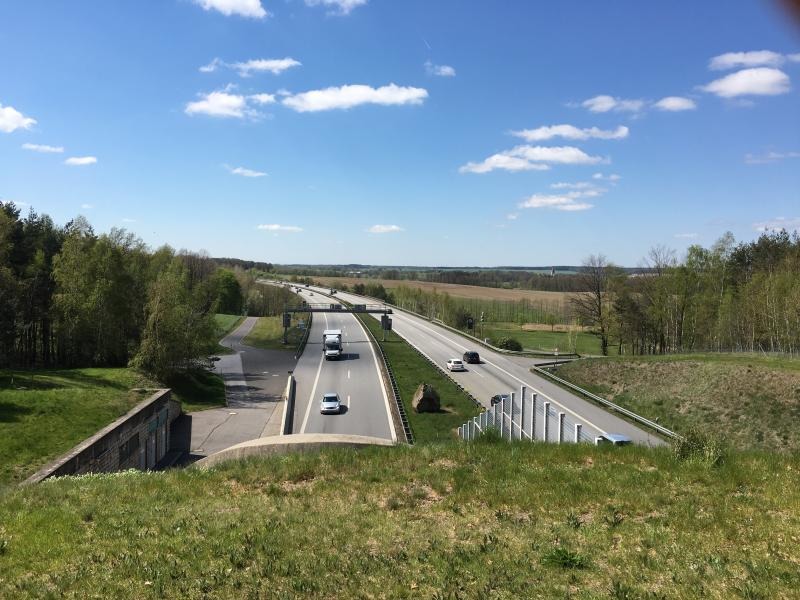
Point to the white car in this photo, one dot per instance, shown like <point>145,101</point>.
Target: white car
<point>330,404</point>
<point>455,364</point>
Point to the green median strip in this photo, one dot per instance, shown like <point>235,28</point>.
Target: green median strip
<point>410,369</point>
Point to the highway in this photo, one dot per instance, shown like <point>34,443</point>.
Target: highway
<point>355,377</point>
<point>501,373</point>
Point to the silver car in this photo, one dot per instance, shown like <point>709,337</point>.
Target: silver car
<point>330,404</point>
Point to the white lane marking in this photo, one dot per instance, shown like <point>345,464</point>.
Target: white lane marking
<point>348,373</point>
<point>316,381</point>
<point>380,380</point>
<point>501,369</point>
<point>348,402</point>
<point>478,374</point>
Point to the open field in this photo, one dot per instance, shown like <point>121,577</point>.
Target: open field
<point>44,413</point>
<point>411,369</point>
<point>481,520</point>
<point>454,290</point>
<point>268,334</point>
<point>541,338</point>
<point>750,401</point>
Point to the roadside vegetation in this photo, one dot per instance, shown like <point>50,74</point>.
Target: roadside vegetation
<point>542,338</point>
<point>446,520</point>
<point>752,401</point>
<point>268,334</point>
<point>411,369</point>
<point>45,413</point>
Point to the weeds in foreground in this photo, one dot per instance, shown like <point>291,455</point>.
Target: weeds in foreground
<point>699,447</point>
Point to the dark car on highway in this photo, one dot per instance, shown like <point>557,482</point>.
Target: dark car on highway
<point>499,398</point>
<point>471,357</point>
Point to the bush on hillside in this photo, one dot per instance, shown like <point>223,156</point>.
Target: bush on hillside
<point>507,343</point>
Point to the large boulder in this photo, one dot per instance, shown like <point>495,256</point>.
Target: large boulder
<point>426,399</point>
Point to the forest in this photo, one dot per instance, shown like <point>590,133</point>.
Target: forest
<point>70,297</point>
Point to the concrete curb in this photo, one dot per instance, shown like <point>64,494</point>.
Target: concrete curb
<point>300,442</point>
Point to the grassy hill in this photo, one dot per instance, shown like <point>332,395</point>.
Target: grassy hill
<point>437,521</point>
<point>751,401</point>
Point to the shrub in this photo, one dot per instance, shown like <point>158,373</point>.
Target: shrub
<point>507,343</point>
<point>564,558</point>
<point>697,446</point>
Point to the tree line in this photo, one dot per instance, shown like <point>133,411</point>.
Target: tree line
<point>729,297</point>
<point>70,297</point>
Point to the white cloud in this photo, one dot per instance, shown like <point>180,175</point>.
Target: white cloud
<point>685,236</point>
<point>262,98</point>
<point>128,220</point>
<point>220,104</point>
<point>603,103</point>
<point>571,132</point>
<point>348,96</point>
<point>244,8</point>
<point>531,158</point>
<point>778,224</point>
<point>512,216</point>
<point>555,202</point>
<point>439,70</point>
<point>43,148</point>
<point>242,172</point>
<point>603,177</point>
<point>384,229</point>
<point>758,58</point>
<point>212,66</point>
<point>675,103</point>
<point>80,161</point>
<point>753,159</point>
<point>11,119</point>
<point>276,66</point>
<point>761,81</point>
<point>342,7</point>
<point>581,185</point>
<point>793,57</point>
<point>87,206</point>
<point>275,227</point>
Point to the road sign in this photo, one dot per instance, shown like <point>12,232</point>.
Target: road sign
<point>470,323</point>
<point>386,323</point>
<point>287,319</point>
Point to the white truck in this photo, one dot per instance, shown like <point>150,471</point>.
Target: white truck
<point>332,344</point>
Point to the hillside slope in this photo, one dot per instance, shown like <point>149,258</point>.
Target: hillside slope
<point>445,521</point>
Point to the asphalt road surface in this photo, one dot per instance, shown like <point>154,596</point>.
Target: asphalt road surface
<point>254,383</point>
<point>503,374</point>
<point>355,377</point>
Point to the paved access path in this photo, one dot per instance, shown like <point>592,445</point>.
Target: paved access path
<point>255,380</point>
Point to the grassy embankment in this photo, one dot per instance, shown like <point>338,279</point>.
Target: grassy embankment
<point>410,369</point>
<point>45,413</point>
<point>225,324</point>
<point>268,334</point>
<point>448,520</point>
<point>751,401</point>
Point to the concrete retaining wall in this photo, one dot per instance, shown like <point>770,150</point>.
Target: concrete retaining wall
<point>138,440</point>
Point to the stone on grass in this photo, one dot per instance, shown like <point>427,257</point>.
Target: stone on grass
<point>426,399</point>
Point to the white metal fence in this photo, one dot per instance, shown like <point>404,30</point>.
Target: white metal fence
<point>528,417</point>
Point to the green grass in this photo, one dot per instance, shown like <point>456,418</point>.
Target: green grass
<point>227,323</point>
<point>45,413</point>
<point>450,520</point>
<point>751,401</point>
<point>268,334</point>
<point>410,369</point>
<point>197,390</point>
<point>548,341</point>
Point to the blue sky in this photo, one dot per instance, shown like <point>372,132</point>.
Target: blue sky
<point>443,132</point>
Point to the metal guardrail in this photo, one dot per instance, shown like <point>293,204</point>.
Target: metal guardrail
<point>607,403</point>
<point>304,340</point>
<point>395,388</point>
<point>287,420</point>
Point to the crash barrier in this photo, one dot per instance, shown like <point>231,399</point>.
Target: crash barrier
<point>528,417</point>
<point>287,421</point>
<point>607,403</point>
<point>304,340</point>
